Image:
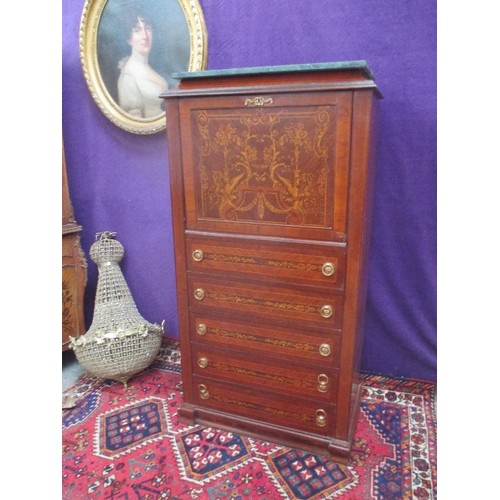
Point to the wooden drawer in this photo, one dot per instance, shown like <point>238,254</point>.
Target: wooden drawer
<point>266,302</point>
<point>302,414</point>
<point>307,346</point>
<point>265,373</point>
<point>317,265</point>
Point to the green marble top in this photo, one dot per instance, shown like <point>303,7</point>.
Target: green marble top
<point>261,70</point>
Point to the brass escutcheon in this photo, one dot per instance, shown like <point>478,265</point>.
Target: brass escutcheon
<point>199,294</point>
<point>328,269</point>
<point>258,101</point>
<point>203,362</point>
<point>198,255</point>
<point>204,394</point>
<point>323,382</point>
<point>325,350</point>
<point>201,329</point>
<point>327,311</point>
<point>320,417</point>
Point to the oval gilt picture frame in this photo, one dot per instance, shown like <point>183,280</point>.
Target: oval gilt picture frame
<point>130,48</point>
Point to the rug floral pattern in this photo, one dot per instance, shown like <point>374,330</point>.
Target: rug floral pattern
<point>128,444</point>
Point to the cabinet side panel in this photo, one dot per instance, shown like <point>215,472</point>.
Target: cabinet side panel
<point>358,222</point>
<point>178,217</point>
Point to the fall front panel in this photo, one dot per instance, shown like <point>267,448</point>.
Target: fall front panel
<point>252,164</point>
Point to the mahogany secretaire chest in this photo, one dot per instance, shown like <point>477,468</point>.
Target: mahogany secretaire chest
<point>271,181</point>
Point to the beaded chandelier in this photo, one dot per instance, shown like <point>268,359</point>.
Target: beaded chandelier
<point>120,342</point>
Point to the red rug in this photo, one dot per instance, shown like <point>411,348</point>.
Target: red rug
<point>128,444</point>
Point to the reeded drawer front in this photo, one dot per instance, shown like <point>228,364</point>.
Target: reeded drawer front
<point>311,416</point>
<point>264,373</point>
<point>261,302</point>
<point>312,264</point>
<point>285,343</point>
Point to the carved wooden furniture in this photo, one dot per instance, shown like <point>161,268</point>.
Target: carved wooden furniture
<point>74,269</point>
<point>271,181</point>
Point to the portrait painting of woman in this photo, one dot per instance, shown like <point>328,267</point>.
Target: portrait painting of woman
<point>131,56</point>
<point>139,85</point>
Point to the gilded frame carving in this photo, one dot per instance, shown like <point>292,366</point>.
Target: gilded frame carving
<point>179,46</point>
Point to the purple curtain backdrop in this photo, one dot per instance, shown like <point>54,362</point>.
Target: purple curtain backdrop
<point>119,181</point>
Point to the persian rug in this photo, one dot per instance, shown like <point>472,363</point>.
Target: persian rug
<point>127,443</point>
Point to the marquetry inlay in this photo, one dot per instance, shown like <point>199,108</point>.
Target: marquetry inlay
<point>259,302</point>
<point>270,165</point>
<point>231,334</point>
<point>297,383</point>
<point>279,412</point>
<point>295,265</point>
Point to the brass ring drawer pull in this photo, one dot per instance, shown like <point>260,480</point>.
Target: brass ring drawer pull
<point>203,362</point>
<point>326,311</point>
<point>328,269</point>
<point>198,255</point>
<point>199,294</point>
<point>323,382</point>
<point>325,350</point>
<point>320,417</point>
<point>204,394</point>
<point>201,329</point>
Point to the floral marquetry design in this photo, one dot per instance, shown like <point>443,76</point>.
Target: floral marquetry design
<point>265,408</point>
<point>266,165</point>
<point>260,261</point>
<point>263,375</point>
<point>262,303</point>
<point>230,334</point>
